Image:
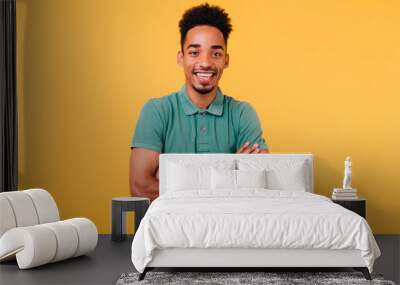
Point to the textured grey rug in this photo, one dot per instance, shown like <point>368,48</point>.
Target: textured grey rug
<point>230,278</point>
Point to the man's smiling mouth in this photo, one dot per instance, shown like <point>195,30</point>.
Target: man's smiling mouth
<point>204,76</point>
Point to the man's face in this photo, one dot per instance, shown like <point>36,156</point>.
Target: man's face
<point>203,58</point>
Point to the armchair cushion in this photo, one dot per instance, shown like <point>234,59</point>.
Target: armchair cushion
<point>31,232</point>
<point>40,244</point>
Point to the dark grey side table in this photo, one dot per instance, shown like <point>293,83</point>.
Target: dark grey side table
<point>357,205</point>
<point>120,206</point>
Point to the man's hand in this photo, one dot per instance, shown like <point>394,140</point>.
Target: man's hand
<point>248,148</point>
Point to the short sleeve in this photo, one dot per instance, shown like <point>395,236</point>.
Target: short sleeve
<point>250,128</point>
<point>149,128</point>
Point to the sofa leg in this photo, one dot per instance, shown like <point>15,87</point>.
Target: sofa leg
<point>364,271</point>
<point>142,275</point>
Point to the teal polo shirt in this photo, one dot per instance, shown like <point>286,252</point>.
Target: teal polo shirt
<point>173,124</point>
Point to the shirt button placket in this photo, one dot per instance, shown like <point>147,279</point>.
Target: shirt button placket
<point>203,137</point>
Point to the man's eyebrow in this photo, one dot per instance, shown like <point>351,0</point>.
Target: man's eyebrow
<point>193,46</point>
<point>217,47</point>
<point>197,46</point>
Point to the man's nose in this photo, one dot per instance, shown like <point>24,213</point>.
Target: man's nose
<point>205,61</point>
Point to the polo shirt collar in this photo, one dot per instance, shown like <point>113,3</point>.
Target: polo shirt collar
<point>215,108</point>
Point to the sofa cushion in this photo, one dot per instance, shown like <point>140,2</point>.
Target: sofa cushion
<point>40,244</point>
<point>23,208</point>
<point>45,205</point>
<point>7,218</point>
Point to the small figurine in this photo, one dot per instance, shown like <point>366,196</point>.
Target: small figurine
<point>347,174</point>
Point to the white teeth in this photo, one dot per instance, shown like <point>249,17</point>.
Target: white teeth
<point>206,75</point>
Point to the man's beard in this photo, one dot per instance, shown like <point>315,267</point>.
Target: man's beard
<point>203,91</point>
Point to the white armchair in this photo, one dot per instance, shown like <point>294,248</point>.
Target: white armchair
<point>31,230</point>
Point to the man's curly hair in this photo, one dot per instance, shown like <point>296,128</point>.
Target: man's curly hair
<point>205,14</point>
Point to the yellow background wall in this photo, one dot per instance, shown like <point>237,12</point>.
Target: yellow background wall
<point>322,75</point>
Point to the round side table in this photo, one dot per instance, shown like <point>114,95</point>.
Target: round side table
<point>120,206</point>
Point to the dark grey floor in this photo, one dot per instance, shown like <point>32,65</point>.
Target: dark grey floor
<point>111,259</point>
<point>389,262</point>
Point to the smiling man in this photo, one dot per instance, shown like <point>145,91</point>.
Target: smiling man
<point>198,118</point>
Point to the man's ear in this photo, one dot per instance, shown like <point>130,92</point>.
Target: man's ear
<point>179,58</point>
<point>226,60</point>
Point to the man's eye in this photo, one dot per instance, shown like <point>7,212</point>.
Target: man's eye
<point>194,53</point>
<point>217,54</point>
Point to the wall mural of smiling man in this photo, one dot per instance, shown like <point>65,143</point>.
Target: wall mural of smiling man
<point>199,118</point>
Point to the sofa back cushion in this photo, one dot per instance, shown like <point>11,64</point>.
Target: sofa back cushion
<point>26,208</point>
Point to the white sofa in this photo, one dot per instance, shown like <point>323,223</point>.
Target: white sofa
<point>31,231</point>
